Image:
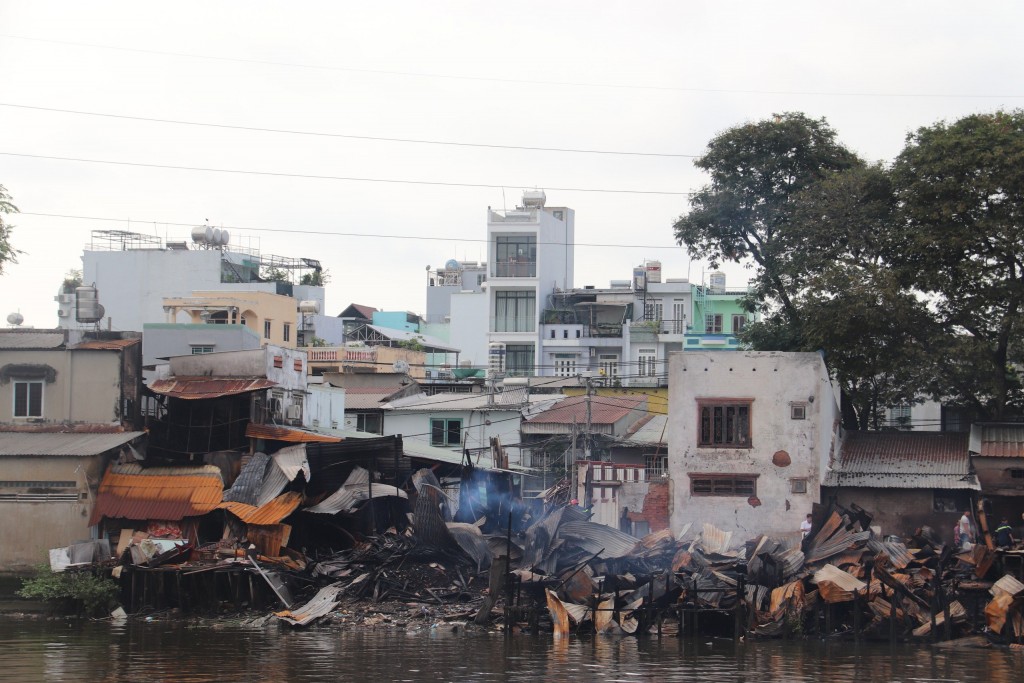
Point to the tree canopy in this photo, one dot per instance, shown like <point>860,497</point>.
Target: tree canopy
<point>907,276</point>
<point>8,254</point>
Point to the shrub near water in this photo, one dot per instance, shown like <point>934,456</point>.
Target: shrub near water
<point>81,592</point>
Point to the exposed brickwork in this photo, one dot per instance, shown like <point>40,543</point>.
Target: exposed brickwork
<point>656,507</point>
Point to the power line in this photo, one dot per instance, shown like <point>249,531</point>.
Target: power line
<point>515,81</point>
<point>333,233</point>
<point>311,176</point>
<point>343,135</point>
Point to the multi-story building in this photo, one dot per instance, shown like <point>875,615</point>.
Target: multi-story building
<point>530,253</point>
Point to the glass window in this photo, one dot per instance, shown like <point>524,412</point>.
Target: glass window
<point>565,364</point>
<point>519,359</point>
<point>739,321</point>
<point>445,432</point>
<point>713,323</point>
<point>287,331</point>
<point>609,364</point>
<point>266,329</point>
<point>198,350</point>
<point>724,424</point>
<point>515,311</point>
<point>648,363</point>
<point>28,399</point>
<point>515,256</point>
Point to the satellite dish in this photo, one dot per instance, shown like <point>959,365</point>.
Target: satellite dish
<point>400,366</point>
<point>451,264</point>
<point>15,319</point>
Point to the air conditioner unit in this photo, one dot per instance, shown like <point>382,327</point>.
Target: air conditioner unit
<point>66,298</point>
<point>63,313</point>
<point>294,412</point>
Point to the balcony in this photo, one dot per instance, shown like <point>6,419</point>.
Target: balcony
<point>513,324</point>
<point>514,268</point>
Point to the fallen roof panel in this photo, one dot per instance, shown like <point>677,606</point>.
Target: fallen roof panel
<point>273,512</point>
<point>171,493</point>
<point>289,434</point>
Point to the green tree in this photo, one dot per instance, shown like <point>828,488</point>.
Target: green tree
<point>317,278</point>
<point>274,275</point>
<point>8,254</point>
<point>960,192</point>
<point>755,170</point>
<point>72,280</point>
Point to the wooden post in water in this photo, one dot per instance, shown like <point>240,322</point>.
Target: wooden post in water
<point>738,609</point>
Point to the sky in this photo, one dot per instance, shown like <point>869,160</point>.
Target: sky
<point>615,99</point>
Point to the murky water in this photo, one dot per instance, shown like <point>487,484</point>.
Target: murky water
<point>170,651</point>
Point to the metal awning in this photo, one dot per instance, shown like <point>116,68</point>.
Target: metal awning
<point>196,388</point>
<point>65,444</point>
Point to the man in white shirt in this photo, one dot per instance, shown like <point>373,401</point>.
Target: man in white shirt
<point>966,536</point>
<point>805,526</point>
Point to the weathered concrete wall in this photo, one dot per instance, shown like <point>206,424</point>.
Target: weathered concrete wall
<point>900,511</point>
<point>781,449</point>
<point>86,387</point>
<point>250,363</point>
<point>29,529</point>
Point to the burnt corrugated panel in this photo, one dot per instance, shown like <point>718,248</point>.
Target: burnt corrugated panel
<point>107,344</point>
<point>249,482</point>
<point>289,434</point>
<point>904,452</point>
<point>271,513</point>
<point>599,538</point>
<point>171,493</point>
<point>62,444</point>
<point>901,480</point>
<point>197,388</point>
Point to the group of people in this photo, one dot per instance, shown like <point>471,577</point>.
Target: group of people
<point>964,536</point>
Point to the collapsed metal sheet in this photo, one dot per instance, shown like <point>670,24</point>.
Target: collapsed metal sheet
<point>249,484</point>
<point>322,604</point>
<point>292,460</point>
<point>598,539</point>
<point>356,490</point>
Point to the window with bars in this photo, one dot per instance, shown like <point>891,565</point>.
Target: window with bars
<point>739,321</point>
<point>266,329</point>
<point>565,364</point>
<point>725,423</point>
<point>199,350</point>
<point>647,362</point>
<point>287,331</point>
<point>723,485</point>
<point>656,465</point>
<point>28,399</point>
<point>713,323</point>
<point>445,432</point>
<point>609,364</point>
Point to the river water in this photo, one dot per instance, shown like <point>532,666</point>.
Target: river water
<point>80,651</point>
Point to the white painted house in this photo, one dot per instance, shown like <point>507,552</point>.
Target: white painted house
<point>750,436</point>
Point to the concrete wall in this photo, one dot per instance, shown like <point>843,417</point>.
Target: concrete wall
<point>254,308</point>
<point>162,340</point>
<point>29,529</point>
<point>995,475</point>
<point>251,363</point>
<point>468,331</point>
<point>325,408</point>
<point>781,448</point>
<point>415,426</point>
<point>900,511</point>
<point>86,388</point>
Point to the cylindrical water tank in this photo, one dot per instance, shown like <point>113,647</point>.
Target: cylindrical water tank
<point>87,305</point>
<point>309,306</point>
<point>225,237</point>
<point>216,237</point>
<point>202,234</point>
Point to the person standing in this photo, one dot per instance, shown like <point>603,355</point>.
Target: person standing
<point>966,535</point>
<point>805,526</point>
<point>1004,534</point>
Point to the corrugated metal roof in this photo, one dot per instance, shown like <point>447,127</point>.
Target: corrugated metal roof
<point>510,400</point>
<point>652,432</point>
<point>903,460</point>
<point>194,388</point>
<point>605,410</point>
<point>900,480</point>
<point>598,538</point>
<point>430,344</point>
<point>171,493</point>
<point>65,428</point>
<point>997,440</point>
<point>272,513</point>
<point>356,490</point>
<point>369,398</point>
<point>31,340</point>
<point>107,344</point>
<point>80,444</point>
<point>290,434</point>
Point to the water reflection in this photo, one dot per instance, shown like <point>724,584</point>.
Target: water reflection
<point>165,651</point>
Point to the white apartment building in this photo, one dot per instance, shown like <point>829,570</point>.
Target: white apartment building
<point>530,252</point>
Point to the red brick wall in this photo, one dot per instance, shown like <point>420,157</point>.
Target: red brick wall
<point>656,507</point>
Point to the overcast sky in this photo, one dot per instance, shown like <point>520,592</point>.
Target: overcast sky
<point>659,78</point>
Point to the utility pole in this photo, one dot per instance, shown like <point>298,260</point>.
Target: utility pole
<point>586,437</point>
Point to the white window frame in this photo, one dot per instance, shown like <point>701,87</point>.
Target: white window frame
<point>27,383</point>
<point>647,362</point>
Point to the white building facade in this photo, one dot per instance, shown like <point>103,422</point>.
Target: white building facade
<point>750,436</point>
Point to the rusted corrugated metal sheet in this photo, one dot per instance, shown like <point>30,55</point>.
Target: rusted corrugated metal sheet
<point>903,460</point>
<point>75,444</point>
<point>269,539</point>
<point>107,344</point>
<point>604,410</point>
<point>271,513</point>
<point>321,604</point>
<point>171,493</point>
<point>998,440</point>
<point>258,431</point>
<point>195,388</point>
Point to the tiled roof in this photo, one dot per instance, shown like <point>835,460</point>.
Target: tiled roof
<point>290,434</point>
<point>603,410</point>
<point>194,388</point>
<point>63,444</point>
<point>107,344</point>
<point>171,493</point>
<point>271,513</point>
<point>998,440</point>
<point>903,460</point>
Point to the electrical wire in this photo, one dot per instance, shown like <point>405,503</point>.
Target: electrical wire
<point>344,135</point>
<point>313,176</point>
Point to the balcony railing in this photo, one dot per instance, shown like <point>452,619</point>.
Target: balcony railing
<point>517,268</point>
